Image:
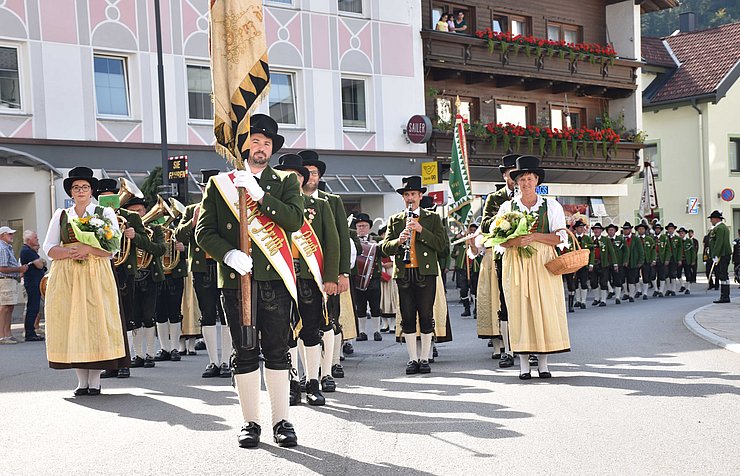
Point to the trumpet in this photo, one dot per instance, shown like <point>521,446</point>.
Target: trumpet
<point>407,244</point>
<point>127,191</point>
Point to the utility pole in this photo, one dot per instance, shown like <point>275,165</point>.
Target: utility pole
<point>162,112</point>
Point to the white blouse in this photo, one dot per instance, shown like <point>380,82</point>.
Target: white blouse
<point>53,233</point>
<point>555,215</point>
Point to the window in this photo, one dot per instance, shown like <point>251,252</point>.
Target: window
<point>282,2</point>
<point>446,109</point>
<point>199,92</point>
<point>10,86</point>
<point>282,98</point>
<point>734,154</point>
<point>651,154</point>
<point>350,6</point>
<point>563,32</point>
<point>111,90</point>
<point>513,113</point>
<point>440,7</point>
<point>353,103</point>
<point>517,25</point>
<point>562,117</point>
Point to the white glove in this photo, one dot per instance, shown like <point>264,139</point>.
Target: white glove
<point>715,260</point>
<point>245,179</point>
<point>239,261</point>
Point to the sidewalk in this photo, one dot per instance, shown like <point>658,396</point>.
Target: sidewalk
<point>717,323</point>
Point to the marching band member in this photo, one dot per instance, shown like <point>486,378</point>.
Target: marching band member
<point>580,277</point>
<point>414,238</point>
<point>635,251</point>
<point>604,259</point>
<point>367,293</point>
<point>720,251</point>
<point>622,255</point>
<point>277,205</point>
<point>686,262</point>
<point>388,291</point>
<point>648,264</point>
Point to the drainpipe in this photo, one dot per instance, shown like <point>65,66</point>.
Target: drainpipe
<point>702,167</point>
<point>52,190</point>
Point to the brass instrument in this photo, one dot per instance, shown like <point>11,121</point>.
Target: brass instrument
<point>127,191</point>
<point>160,209</point>
<point>171,257</point>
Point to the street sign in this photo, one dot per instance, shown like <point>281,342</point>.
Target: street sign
<point>68,202</point>
<point>542,189</point>
<point>692,206</point>
<point>177,169</point>
<point>439,197</point>
<point>728,195</point>
<point>419,129</point>
<point>429,173</point>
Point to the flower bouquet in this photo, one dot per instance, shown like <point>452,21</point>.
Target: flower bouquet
<point>511,225</point>
<point>97,232</point>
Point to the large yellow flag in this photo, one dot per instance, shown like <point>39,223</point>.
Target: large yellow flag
<point>241,76</point>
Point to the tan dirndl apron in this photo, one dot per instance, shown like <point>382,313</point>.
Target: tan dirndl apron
<point>190,309</point>
<point>388,298</point>
<point>347,315</point>
<point>535,302</point>
<point>488,301</point>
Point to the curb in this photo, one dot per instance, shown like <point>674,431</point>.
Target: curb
<point>689,321</point>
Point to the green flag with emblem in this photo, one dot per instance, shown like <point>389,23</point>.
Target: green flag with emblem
<point>460,188</point>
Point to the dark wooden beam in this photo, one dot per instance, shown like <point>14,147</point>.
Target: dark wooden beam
<point>559,88</point>
<point>614,93</point>
<point>474,78</point>
<point>442,74</point>
<point>506,81</point>
<point>532,84</point>
<point>592,91</point>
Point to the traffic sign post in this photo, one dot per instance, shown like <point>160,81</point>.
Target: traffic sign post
<point>692,206</point>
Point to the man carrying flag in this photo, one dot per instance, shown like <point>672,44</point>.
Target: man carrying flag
<point>247,217</point>
<point>462,193</point>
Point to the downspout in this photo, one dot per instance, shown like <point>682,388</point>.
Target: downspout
<point>52,190</point>
<point>704,186</point>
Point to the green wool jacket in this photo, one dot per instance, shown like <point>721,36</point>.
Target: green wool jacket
<point>586,243</point>
<point>606,250</point>
<point>458,254</point>
<point>217,230</point>
<point>667,247</point>
<point>444,256</point>
<point>635,250</point>
<point>140,240</point>
<point>490,209</point>
<point>429,243</point>
<point>688,251</point>
<point>324,226</point>
<point>156,249</point>
<point>185,232</point>
<point>621,251</point>
<point>648,246</point>
<point>340,217</point>
<point>719,241</point>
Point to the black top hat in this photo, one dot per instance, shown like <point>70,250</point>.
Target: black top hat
<point>265,125</point>
<point>716,214</point>
<point>578,223</point>
<point>627,225</point>
<point>411,183</point>
<point>206,174</point>
<point>363,217</point>
<point>525,164</point>
<point>508,162</point>
<point>134,201</point>
<point>612,225</point>
<point>293,162</point>
<point>311,157</point>
<point>80,173</point>
<point>427,202</point>
<point>670,225</point>
<point>106,185</point>
<point>597,226</point>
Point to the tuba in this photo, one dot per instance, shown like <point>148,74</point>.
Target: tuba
<point>171,257</point>
<point>127,191</point>
<point>160,209</point>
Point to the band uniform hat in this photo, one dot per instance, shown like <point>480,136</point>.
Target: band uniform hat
<point>525,164</point>
<point>427,203</point>
<point>716,214</point>
<point>293,162</point>
<point>6,229</point>
<point>206,174</point>
<point>642,224</point>
<point>627,225</point>
<point>80,173</point>
<point>411,183</point>
<point>682,229</point>
<point>311,157</point>
<point>612,225</point>
<point>134,201</point>
<point>657,225</point>
<point>363,217</point>
<point>597,226</point>
<point>670,225</point>
<point>106,185</point>
<point>265,125</point>
<point>578,223</point>
<point>508,162</point>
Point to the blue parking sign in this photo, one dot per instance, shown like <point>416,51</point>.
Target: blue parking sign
<point>542,189</point>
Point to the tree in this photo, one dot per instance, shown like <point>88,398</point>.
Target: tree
<point>709,14</point>
<point>150,187</point>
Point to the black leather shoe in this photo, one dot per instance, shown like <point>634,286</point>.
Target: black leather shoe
<point>82,391</point>
<point>656,293</point>
<point>337,371</point>
<point>295,393</point>
<point>348,349</point>
<point>175,356</point>
<point>644,297</point>
<point>211,371</point>
<point>544,374</point>
<point>361,337</point>
<point>602,304</point>
<point>224,371</point>
<point>610,295</point>
<point>412,367</point>
<point>190,352</point>
<point>533,360</point>
<point>137,362</point>
<point>200,344</point>
<point>313,393</point>
<point>638,294</point>
<point>424,367</point>
<point>683,288</point>
<point>631,299</point>
<point>162,355</point>
<point>490,342</point>
<point>525,376</point>
<point>34,338</point>
<point>596,302</point>
<point>284,434</point>
<point>124,373</point>
<point>109,374</point>
<point>617,301</point>
<point>506,361</point>
<point>249,436</point>
<point>148,361</point>
<point>385,329</point>
<point>496,355</point>
<point>625,297</point>
<point>328,384</point>
<point>687,292</point>
<point>93,391</point>
<point>377,337</point>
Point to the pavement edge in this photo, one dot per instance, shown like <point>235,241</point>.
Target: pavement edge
<point>691,324</point>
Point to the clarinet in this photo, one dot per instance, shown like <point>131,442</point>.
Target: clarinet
<point>407,244</point>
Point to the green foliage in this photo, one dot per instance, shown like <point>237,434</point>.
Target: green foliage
<point>150,187</point>
<point>709,14</point>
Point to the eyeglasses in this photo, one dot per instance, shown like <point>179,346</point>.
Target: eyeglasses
<point>314,172</point>
<point>80,188</point>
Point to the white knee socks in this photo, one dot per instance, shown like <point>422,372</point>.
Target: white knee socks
<point>293,351</point>
<point>278,388</point>
<point>131,346</point>
<point>524,364</point>
<point>328,352</point>
<point>248,390</point>
<point>337,349</point>
<point>93,379</point>
<point>505,336</point>
<point>209,335</point>
<point>313,362</point>
<point>227,346</point>
<point>376,323</point>
<point>361,324</point>
<point>150,334</point>
<point>175,331</point>
<point>302,356</point>
<point>163,331</point>
<point>411,346</point>
<point>83,376</point>
<point>542,363</point>
<point>426,346</point>
<point>137,337</point>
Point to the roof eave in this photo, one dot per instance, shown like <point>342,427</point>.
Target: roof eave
<point>680,102</point>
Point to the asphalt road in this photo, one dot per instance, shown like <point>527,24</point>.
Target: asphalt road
<point>639,394</point>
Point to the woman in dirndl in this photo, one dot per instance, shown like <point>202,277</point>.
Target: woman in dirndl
<point>534,296</point>
<point>83,324</point>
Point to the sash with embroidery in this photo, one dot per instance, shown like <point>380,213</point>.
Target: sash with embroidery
<point>310,249</point>
<point>269,237</point>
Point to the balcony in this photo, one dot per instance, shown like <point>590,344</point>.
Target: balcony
<point>579,166</point>
<point>449,55</point>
